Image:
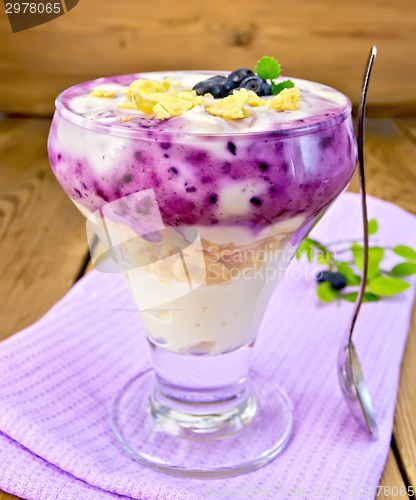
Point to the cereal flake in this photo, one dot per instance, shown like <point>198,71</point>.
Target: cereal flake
<point>288,99</point>
<point>103,93</point>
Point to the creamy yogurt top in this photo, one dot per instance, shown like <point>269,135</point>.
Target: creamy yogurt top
<point>318,104</point>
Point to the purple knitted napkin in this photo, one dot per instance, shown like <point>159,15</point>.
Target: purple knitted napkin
<point>58,379</point>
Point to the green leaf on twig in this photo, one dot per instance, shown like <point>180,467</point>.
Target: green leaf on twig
<point>405,252</point>
<point>325,292</point>
<point>404,269</point>
<point>386,286</point>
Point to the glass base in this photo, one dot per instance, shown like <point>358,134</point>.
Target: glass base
<point>245,438</point>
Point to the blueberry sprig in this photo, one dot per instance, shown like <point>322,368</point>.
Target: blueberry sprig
<point>341,279</point>
<point>268,68</point>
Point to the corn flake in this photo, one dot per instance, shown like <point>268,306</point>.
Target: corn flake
<point>161,99</point>
<point>232,107</point>
<point>127,105</point>
<point>103,93</point>
<point>143,102</point>
<point>288,99</point>
<point>150,86</point>
<point>160,112</point>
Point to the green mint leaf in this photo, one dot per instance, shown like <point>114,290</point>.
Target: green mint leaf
<point>368,297</point>
<point>404,269</point>
<point>405,252</point>
<point>348,273</point>
<point>325,292</point>
<point>372,226</point>
<point>387,286</point>
<point>268,68</point>
<point>278,87</point>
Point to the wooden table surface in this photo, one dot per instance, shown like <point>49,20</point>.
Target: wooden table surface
<point>44,251</point>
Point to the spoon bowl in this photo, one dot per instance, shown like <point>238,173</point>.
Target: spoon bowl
<point>355,390</point>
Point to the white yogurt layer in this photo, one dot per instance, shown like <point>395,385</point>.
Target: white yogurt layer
<point>217,317</point>
<point>212,319</point>
<point>220,316</point>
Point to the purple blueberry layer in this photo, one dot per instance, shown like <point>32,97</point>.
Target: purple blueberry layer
<point>295,175</point>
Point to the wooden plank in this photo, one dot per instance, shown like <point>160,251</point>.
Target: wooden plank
<point>322,40</point>
<point>390,164</point>
<point>42,235</point>
<point>408,128</point>
<point>7,496</point>
<point>392,486</point>
<point>405,422</point>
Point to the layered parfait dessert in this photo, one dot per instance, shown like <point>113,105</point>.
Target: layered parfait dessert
<point>201,185</point>
<point>248,170</point>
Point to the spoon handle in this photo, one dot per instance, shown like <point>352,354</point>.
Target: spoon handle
<point>360,143</point>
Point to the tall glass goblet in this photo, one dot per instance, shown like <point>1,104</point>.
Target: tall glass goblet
<point>203,226</point>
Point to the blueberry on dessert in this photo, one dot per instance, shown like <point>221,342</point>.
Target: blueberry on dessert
<point>265,89</point>
<point>237,76</point>
<point>251,83</point>
<point>257,85</point>
<point>213,86</point>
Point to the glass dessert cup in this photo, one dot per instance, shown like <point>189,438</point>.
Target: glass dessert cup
<point>203,226</point>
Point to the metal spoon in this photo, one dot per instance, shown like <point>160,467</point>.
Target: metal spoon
<point>351,377</point>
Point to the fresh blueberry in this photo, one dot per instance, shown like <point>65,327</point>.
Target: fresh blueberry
<point>201,88</point>
<point>323,276</point>
<point>217,91</point>
<point>220,79</point>
<point>228,87</point>
<point>234,80</point>
<point>213,85</point>
<point>239,75</point>
<point>253,83</point>
<point>338,281</point>
<point>207,87</point>
<point>265,89</point>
